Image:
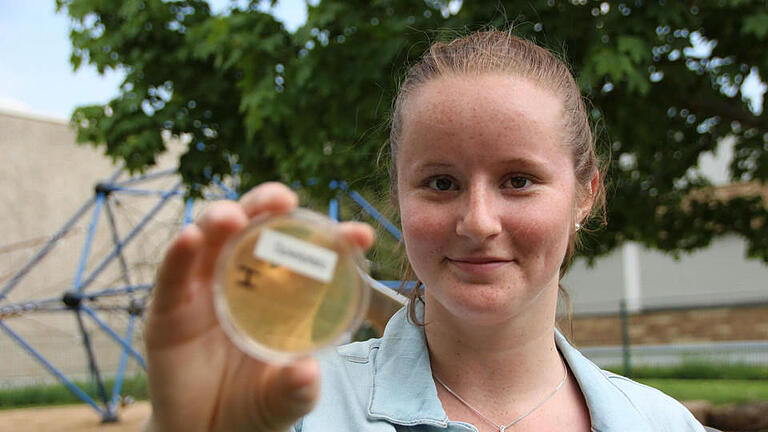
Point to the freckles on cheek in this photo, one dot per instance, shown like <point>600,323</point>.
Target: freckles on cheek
<point>421,224</point>
<point>422,231</point>
<point>543,234</point>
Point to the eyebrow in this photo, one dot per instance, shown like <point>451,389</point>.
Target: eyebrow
<point>527,162</point>
<point>434,165</point>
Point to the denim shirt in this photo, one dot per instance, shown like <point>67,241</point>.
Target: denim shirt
<point>386,384</point>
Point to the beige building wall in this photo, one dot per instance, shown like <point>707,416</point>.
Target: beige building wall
<point>718,276</point>
<point>45,179</point>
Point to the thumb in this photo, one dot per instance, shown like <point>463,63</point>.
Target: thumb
<point>293,392</point>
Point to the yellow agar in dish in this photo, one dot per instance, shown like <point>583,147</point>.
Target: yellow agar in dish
<point>274,310</point>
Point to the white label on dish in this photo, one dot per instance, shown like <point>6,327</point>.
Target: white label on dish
<point>302,257</point>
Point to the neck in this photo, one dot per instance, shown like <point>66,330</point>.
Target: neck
<point>500,364</point>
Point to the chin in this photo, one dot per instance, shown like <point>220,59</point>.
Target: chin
<point>480,304</point>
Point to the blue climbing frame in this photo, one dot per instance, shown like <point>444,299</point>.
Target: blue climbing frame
<point>83,303</point>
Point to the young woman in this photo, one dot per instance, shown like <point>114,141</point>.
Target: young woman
<point>494,172</point>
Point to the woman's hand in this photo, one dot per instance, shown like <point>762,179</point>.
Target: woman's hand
<point>198,380</point>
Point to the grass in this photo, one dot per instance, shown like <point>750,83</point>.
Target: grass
<point>719,384</point>
<point>716,391</point>
<point>57,394</point>
<point>699,370</point>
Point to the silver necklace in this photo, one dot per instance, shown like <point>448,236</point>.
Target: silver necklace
<point>503,428</point>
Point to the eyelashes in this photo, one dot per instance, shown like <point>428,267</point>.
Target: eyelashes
<point>517,182</point>
<point>445,183</point>
<point>441,183</point>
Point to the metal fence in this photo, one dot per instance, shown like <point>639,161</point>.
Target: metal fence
<point>724,334</point>
<point>753,353</point>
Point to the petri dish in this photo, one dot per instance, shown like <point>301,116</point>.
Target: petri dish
<point>289,285</point>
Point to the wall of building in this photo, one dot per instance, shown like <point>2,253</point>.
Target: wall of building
<point>673,326</point>
<point>720,275</point>
<point>45,178</point>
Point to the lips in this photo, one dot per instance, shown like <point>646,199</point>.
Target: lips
<point>474,265</point>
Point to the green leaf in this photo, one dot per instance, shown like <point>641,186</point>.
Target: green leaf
<point>756,25</point>
<point>637,49</point>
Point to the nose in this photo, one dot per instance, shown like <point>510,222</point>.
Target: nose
<point>480,219</point>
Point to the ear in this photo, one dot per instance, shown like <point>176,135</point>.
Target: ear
<point>587,199</point>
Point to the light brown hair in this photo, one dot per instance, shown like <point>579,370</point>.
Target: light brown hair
<point>494,51</point>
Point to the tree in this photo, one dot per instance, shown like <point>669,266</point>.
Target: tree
<point>664,78</point>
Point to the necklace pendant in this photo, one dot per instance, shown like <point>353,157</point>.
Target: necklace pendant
<point>502,428</point>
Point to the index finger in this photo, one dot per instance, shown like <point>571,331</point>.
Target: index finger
<point>174,273</point>
<point>271,197</point>
<point>359,233</point>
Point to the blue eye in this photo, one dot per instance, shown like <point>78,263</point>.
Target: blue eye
<point>441,184</point>
<point>516,182</point>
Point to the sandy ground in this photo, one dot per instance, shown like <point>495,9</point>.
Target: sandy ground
<point>71,418</point>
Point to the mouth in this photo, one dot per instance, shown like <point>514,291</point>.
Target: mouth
<point>478,265</point>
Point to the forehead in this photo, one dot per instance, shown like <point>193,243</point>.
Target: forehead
<point>496,96</point>
<point>491,110</point>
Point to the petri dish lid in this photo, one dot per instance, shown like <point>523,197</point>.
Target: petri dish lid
<point>289,285</point>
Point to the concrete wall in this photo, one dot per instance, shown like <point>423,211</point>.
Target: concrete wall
<point>717,324</point>
<point>45,178</point>
<point>719,275</point>
<point>597,288</point>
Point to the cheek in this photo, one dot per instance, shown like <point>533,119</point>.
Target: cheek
<point>423,228</point>
<point>542,232</point>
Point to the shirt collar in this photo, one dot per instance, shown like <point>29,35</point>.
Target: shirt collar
<point>404,391</point>
<point>609,408</point>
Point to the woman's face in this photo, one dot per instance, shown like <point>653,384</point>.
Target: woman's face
<point>487,193</point>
